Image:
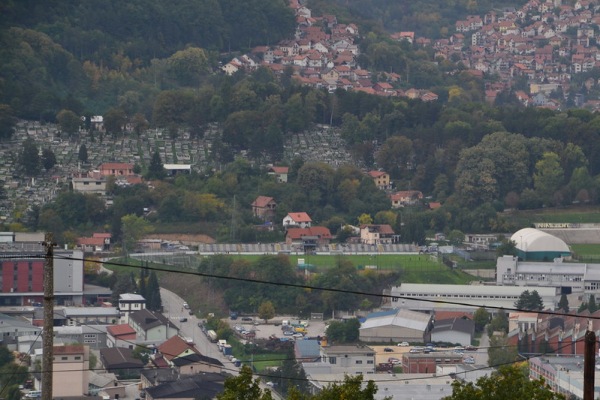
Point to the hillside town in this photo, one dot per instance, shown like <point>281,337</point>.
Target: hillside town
<point>543,43</point>
<point>429,332</point>
<point>136,340</point>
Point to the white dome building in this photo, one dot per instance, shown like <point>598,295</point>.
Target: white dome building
<point>535,245</point>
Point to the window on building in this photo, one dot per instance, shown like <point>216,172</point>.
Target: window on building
<point>332,360</point>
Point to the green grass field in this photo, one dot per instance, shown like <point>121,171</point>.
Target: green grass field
<point>586,252</point>
<point>412,268</point>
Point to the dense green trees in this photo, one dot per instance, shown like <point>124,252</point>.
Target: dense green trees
<point>29,158</point>
<point>343,331</point>
<point>248,297</point>
<point>507,382</point>
<point>68,121</point>
<point>244,387</point>
<point>530,301</point>
<point>12,374</point>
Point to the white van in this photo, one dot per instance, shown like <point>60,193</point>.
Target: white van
<point>34,394</point>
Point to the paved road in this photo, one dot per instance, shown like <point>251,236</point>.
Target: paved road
<point>173,309</point>
<point>481,355</point>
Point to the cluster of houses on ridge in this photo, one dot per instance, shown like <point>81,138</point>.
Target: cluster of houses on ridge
<point>323,54</point>
<point>544,41</point>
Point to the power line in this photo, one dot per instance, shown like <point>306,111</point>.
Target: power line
<point>263,375</point>
<point>315,288</point>
<point>16,371</point>
<point>310,287</point>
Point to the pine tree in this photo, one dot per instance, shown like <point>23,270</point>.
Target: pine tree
<point>30,158</point>
<point>154,301</point>
<point>142,286</point>
<point>563,303</point>
<point>83,153</point>
<point>592,307</point>
<point>156,170</point>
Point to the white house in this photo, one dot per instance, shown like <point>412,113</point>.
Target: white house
<point>128,303</point>
<point>297,219</point>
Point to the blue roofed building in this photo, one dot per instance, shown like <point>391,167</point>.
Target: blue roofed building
<point>307,350</point>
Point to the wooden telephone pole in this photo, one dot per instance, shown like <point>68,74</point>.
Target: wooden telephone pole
<point>589,365</point>
<point>48,330</point>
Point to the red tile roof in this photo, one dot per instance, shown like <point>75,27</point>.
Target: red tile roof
<point>262,201</point>
<point>280,170</point>
<point>174,347</point>
<point>298,233</point>
<point>69,349</point>
<point>120,330</point>
<point>116,166</point>
<point>90,241</point>
<point>376,174</point>
<point>383,229</point>
<point>299,217</point>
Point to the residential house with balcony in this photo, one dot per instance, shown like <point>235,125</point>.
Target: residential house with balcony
<point>376,234</point>
<point>152,326</point>
<point>264,208</point>
<point>381,179</point>
<point>297,220</point>
<point>130,302</point>
<point>405,198</point>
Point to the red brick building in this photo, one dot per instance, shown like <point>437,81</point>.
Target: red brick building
<point>425,363</point>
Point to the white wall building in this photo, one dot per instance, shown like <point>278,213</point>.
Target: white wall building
<point>576,276</point>
<point>428,297</point>
<point>128,303</point>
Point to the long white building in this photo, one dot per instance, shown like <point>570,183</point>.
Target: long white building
<point>578,277</point>
<point>431,297</point>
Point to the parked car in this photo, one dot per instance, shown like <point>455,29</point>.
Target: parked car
<point>182,319</point>
<point>186,305</point>
<point>470,348</point>
<point>394,360</point>
<point>403,344</point>
<point>247,319</point>
<point>388,350</point>
<point>469,360</point>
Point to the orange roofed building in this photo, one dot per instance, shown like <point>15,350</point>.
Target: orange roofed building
<point>116,169</point>
<point>320,235</point>
<point>264,207</point>
<point>280,173</point>
<point>405,198</point>
<point>376,234</point>
<point>297,219</point>
<point>381,179</point>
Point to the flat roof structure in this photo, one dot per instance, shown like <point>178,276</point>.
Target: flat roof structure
<point>428,297</point>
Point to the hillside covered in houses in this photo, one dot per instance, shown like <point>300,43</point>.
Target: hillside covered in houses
<point>338,102</point>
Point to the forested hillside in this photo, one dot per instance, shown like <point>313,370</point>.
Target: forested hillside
<point>146,29</point>
<point>430,18</point>
<point>474,157</point>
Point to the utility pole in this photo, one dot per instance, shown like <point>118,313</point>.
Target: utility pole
<point>589,361</point>
<point>48,330</point>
